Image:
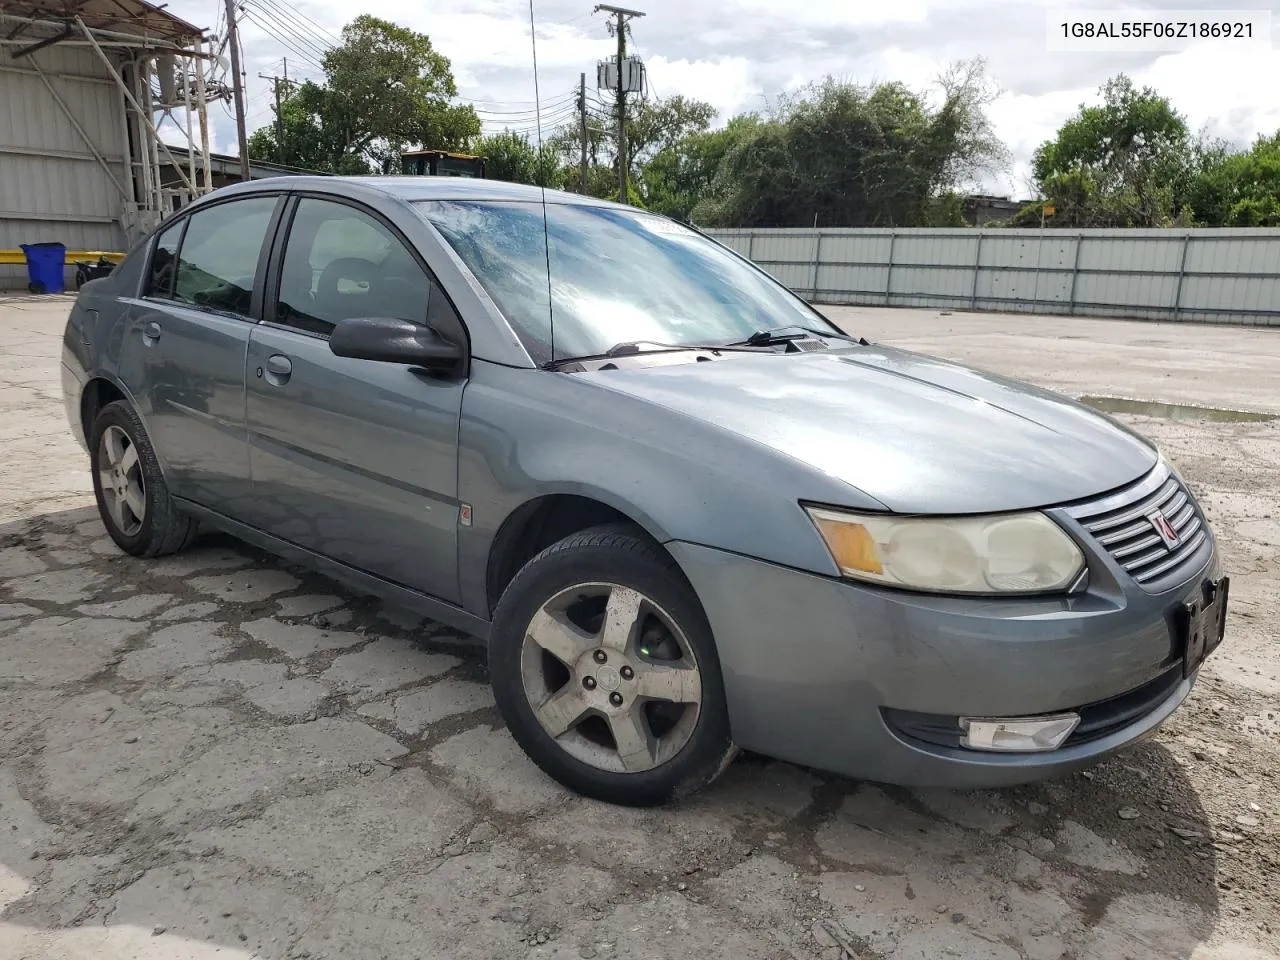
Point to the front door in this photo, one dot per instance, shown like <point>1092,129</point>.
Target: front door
<point>185,345</point>
<point>354,459</point>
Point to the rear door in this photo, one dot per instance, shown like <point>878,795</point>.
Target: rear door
<point>354,459</point>
<point>184,355</point>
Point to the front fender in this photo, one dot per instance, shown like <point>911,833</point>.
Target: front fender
<point>527,434</point>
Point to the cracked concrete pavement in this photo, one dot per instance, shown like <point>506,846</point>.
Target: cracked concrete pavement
<point>219,755</point>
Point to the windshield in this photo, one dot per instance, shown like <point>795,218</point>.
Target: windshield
<point>616,276</point>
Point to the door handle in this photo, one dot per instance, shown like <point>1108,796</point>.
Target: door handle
<point>151,332</point>
<point>279,367</point>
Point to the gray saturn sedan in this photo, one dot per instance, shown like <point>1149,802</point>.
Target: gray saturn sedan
<point>685,512</point>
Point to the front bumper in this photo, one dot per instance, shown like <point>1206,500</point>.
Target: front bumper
<point>822,672</point>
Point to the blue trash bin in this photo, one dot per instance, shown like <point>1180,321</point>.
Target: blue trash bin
<point>46,263</point>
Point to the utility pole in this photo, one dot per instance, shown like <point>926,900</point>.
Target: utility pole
<point>237,88</point>
<point>582,114</point>
<point>620,27</point>
<point>203,105</point>
<point>275,84</point>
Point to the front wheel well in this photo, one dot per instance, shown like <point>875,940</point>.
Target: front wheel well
<point>96,395</point>
<point>536,525</point>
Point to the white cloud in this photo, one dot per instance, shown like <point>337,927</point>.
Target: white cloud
<point>725,82</point>
<point>740,54</point>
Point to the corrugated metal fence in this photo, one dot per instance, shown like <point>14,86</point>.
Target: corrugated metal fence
<point>1209,275</point>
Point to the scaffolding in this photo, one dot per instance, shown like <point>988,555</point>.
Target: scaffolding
<point>161,66</point>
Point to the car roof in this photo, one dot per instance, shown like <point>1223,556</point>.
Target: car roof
<point>420,188</point>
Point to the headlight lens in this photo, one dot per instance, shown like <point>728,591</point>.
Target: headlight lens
<point>1008,553</point>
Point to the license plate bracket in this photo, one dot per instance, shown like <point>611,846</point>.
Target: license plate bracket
<point>1202,622</point>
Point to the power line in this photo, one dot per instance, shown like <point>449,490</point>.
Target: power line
<point>270,31</point>
<point>316,41</point>
<point>563,23</point>
<point>517,115</point>
<point>517,105</point>
<point>289,15</point>
<point>318,29</point>
<point>279,34</point>
<point>298,44</point>
<point>568,110</point>
<point>280,19</point>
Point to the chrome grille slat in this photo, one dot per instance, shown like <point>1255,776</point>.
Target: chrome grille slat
<point>1140,545</point>
<point>1147,558</point>
<point>1119,522</point>
<point>1146,576</point>
<point>1128,533</point>
<point>1192,527</point>
<point>1186,514</point>
<point>1136,511</point>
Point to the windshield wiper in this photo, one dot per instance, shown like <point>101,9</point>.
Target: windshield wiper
<point>630,348</point>
<point>764,338</point>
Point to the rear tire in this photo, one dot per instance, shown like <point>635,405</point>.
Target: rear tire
<point>133,500</point>
<point>620,697</point>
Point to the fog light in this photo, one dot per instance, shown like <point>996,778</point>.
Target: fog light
<point>1017,734</point>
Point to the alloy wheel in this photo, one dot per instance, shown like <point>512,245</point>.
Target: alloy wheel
<point>124,490</point>
<point>611,677</point>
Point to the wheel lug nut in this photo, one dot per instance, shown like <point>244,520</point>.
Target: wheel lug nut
<point>589,682</point>
<point>627,673</point>
<point>601,656</point>
<point>615,699</point>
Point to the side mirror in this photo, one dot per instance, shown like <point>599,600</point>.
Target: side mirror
<point>394,341</point>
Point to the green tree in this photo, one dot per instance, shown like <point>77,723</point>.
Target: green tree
<point>1239,189</point>
<point>845,154</point>
<point>511,156</point>
<point>680,174</point>
<point>658,124</point>
<point>1128,161</point>
<point>653,126</point>
<point>386,88</point>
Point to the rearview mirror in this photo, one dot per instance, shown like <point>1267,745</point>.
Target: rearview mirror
<point>393,341</point>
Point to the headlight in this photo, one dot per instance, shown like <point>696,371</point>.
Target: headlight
<point>1009,553</point>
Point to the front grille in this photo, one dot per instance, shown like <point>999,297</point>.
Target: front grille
<point>1120,524</point>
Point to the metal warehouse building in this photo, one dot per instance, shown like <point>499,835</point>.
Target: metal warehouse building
<point>90,91</point>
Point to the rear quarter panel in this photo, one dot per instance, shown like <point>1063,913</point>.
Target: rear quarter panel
<point>93,335</point>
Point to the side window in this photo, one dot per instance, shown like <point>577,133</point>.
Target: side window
<point>163,261</point>
<point>341,263</point>
<point>219,254</point>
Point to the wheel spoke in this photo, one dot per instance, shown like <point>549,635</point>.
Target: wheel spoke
<point>133,497</point>
<point>116,507</point>
<point>558,637</point>
<point>621,619</point>
<point>114,448</point>
<point>636,745</point>
<point>129,459</point>
<point>676,684</point>
<point>107,479</point>
<point>561,711</point>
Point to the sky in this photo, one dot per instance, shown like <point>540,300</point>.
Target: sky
<point>739,55</point>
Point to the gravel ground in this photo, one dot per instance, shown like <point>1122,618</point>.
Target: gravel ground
<point>217,754</point>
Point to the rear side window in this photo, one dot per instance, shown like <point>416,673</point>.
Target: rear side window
<point>163,262</point>
<point>220,253</point>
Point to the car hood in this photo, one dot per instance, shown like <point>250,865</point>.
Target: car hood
<point>917,434</point>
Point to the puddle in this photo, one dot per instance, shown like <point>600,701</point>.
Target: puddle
<point>1175,411</point>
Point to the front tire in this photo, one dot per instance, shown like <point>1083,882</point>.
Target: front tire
<point>605,670</point>
<point>133,500</point>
